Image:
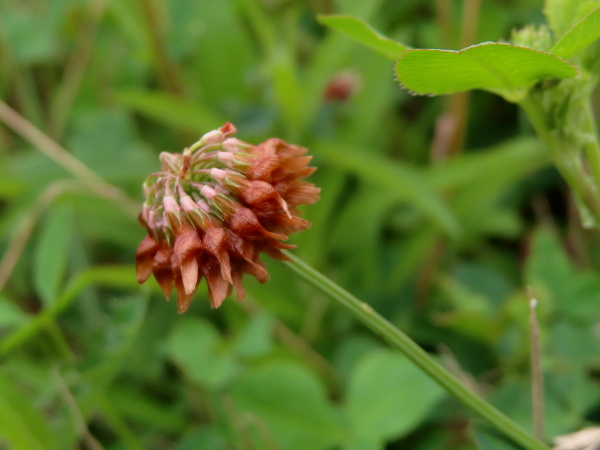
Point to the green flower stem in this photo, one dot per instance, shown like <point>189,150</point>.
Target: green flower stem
<point>567,160</point>
<point>417,355</point>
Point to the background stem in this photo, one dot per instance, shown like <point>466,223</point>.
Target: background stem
<point>364,313</point>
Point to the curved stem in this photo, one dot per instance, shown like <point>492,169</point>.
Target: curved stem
<point>417,355</point>
<point>584,185</point>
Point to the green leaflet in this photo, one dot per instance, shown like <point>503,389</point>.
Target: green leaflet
<point>504,69</point>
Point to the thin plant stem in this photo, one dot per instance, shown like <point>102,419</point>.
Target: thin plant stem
<point>537,375</point>
<point>75,69</point>
<point>378,324</point>
<point>77,416</point>
<point>62,157</point>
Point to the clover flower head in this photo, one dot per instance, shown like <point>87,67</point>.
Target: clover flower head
<point>212,210</point>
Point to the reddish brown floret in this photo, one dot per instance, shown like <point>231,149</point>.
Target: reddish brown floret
<point>212,210</point>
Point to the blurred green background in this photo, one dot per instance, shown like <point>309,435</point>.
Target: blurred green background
<point>438,212</point>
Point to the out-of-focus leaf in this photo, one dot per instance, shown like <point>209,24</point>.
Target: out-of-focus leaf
<point>489,440</point>
<point>561,14</point>
<point>133,404</point>
<point>388,396</point>
<point>363,33</point>
<point>208,437</point>
<point>255,338</point>
<point>52,251</point>
<point>221,72</point>
<point>112,276</point>
<point>361,223</point>
<point>473,170</point>
<point>548,265</point>
<point>399,180</point>
<point>10,315</point>
<point>503,69</point>
<point>292,404</point>
<point>106,140</point>
<point>171,111</point>
<point>558,415</point>
<point>31,32</point>
<point>194,344</point>
<point>586,31</point>
<point>107,347</point>
<point>21,423</point>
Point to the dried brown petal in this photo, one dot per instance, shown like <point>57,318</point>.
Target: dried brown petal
<point>161,268</point>
<point>144,258</point>
<point>187,251</point>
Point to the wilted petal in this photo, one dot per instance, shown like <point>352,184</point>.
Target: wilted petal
<point>215,242</point>
<point>144,258</point>
<point>262,195</point>
<point>187,251</point>
<point>161,268</point>
<point>244,223</point>
<point>239,285</point>
<point>262,167</point>
<point>184,298</point>
<point>218,288</point>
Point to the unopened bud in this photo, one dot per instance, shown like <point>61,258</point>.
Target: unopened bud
<point>187,203</point>
<point>208,192</point>
<point>212,137</point>
<point>218,174</point>
<point>231,145</point>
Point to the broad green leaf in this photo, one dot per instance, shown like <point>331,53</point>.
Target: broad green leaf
<point>171,110</point>
<point>364,34</point>
<point>586,31</point>
<point>503,69</point>
<point>399,180</point>
<point>51,252</point>
<point>291,402</point>
<point>388,396</point>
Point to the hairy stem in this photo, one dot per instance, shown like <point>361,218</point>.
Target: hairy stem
<point>567,160</point>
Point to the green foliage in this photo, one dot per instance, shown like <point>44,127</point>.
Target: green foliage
<point>586,31</point>
<point>393,406</point>
<point>503,69</point>
<point>364,34</point>
<point>435,212</point>
<point>291,402</point>
<point>51,254</point>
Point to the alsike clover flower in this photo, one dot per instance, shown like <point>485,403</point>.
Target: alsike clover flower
<point>214,208</point>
